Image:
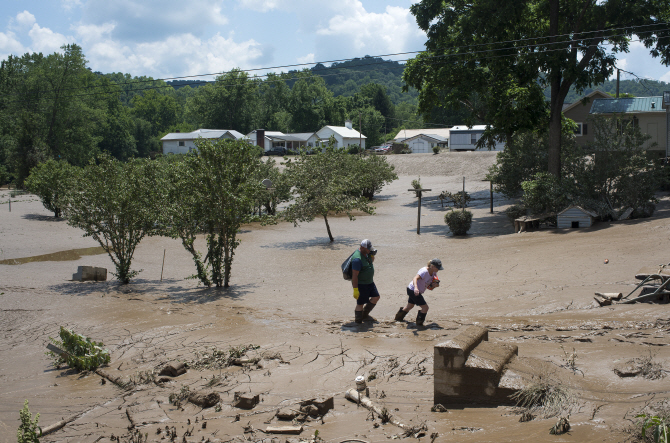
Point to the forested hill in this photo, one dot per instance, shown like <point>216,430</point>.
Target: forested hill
<point>346,78</point>
<point>637,88</point>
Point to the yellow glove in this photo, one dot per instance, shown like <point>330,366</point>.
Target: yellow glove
<point>356,293</point>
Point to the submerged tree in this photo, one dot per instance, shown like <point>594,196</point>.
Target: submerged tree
<point>211,191</point>
<point>52,181</point>
<point>324,184</point>
<point>117,204</point>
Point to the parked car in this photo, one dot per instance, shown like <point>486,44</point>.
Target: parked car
<point>278,150</point>
<point>382,149</point>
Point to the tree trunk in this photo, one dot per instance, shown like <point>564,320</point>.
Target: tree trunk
<point>554,160</point>
<point>325,217</point>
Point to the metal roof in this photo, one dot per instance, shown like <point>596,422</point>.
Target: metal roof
<point>405,134</point>
<point>204,133</point>
<point>344,131</point>
<point>466,128</point>
<point>627,105</point>
<point>435,137</point>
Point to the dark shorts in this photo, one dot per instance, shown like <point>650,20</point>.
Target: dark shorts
<point>415,299</point>
<point>366,293</point>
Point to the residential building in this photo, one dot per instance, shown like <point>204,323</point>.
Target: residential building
<point>423,140</point>
<point>344,135</point>
<point>650,114</point>
<point>579,113</point>
<point>464,138</point>
<point>184,142</point>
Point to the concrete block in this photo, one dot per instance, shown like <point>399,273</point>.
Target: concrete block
<point>90,273</point>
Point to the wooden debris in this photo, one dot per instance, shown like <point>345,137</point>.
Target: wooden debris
<point>323,405</point>
<point>246,361</point>
<point>353,395</point>
<point>173,369</point>
<point>603,301</point>
<point>204,399</point>
<point>283,430</point>
<point>118,381</point>
<point>610,295</point>
<point>286,414</point>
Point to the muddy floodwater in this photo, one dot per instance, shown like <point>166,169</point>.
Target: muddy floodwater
<point>290,306</point>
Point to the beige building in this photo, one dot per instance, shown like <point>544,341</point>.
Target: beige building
<point>579,113</point>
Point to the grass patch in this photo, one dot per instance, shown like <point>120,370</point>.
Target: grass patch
<point>546,399</point>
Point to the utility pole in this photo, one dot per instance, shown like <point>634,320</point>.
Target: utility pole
<point>360,132</point>
<point>618,73</point>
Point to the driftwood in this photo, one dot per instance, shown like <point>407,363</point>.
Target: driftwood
<point>364,401</point>
<point>118,381</point>
<point>610,295</point>
<point>283,430</point>
<point>60,424</point>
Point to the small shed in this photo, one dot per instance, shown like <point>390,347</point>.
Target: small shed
<point>575,217</point>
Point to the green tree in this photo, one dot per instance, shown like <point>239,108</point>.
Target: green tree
<point>52,181</point>
<point>211,191</point>
<point>230,103</point>
<point>157,108</point>
<point>506,52</point>
<point>323,185</point>
<point>370,174</point>
<point>44,115</point>
<point>117,204</point>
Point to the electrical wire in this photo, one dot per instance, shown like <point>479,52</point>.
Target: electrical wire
<point>456,54</point>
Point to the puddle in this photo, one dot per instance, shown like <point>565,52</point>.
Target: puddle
<point>72,254</point>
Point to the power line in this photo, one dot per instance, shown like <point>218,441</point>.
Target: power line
<point>516,48</point>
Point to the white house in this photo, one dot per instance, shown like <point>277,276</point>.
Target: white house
<point>405,134</point>
<point>464,138</point>
<point>423,143</point>
<point>344,135</point>
<point>184,142</point>
<point>266,139</point>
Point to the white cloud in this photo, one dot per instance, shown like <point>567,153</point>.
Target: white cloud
<point>260,5</point>
<point>309,58</point>
<point>178,55</point>
<point>665,77</point>
<point>370,33</point>
<point>71,4</point>
<point>46,41</point>
<point>10,45</point>
<point>25,19</point>
<point>150,20</point>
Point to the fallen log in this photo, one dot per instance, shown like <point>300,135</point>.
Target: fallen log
<point>354,395</point>
<point>118,381</point>
<point>283,430</point>
<point>610,295</point>
<point>603,301</point>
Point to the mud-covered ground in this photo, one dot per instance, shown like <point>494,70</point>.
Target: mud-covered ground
<point>288,298</point>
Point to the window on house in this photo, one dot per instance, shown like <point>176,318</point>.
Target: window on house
<point>581,129</point>
<point>473,139</point>
<point>182,143</point>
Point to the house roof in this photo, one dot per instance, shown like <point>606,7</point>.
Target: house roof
<point>344,131</point>
<point>627,105</point>
<point>295,137</point>
<point>204,133</point>
<point>437,138</point>
<point>405,134</point>
<point>593,95</point>
<point>466,128</point>
<point>585,211</point>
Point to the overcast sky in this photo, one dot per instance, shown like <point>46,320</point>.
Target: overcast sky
<point>170,38</point>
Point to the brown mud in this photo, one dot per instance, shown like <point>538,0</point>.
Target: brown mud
<point>533,289</point>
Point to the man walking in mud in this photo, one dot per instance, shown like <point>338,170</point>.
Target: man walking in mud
<point>362,274</point>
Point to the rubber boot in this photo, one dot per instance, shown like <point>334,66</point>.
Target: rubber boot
<point>366,310</point>
<point>400,316</point>
<point>358,316</point>
<point>420,317</point>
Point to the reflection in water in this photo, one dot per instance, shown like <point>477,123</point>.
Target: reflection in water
<point>72,254</point>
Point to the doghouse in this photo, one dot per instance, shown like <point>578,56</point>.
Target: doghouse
<point>575,217</point>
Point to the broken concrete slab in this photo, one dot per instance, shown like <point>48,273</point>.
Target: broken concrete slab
<point>146,414</point>
<point>245,400</point>
<point>323,405</point>
<point>204,399</point>
<point>286,414</point>
<point>90,273</point>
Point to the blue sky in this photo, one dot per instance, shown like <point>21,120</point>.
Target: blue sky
<point>171,38</point>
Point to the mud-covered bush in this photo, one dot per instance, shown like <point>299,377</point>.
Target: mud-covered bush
<point>82,353</point>
<point>459,222</point>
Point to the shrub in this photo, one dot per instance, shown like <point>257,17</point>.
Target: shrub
<point>28,432</point>
<point>82,353</point>
<point>459,222</point>
<point>436,149</point>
